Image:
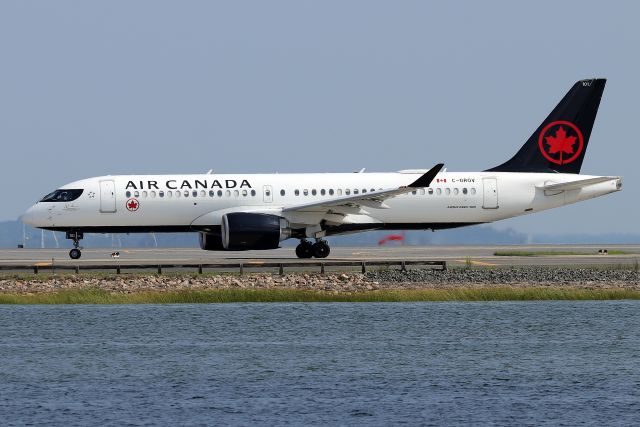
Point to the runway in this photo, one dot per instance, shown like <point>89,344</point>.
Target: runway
<point>453,255</point>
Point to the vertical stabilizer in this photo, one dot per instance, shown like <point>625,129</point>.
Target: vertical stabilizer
<point>560,142</point>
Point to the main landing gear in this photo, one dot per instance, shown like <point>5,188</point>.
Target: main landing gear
<point>76,236</point>
<point>319,249</point>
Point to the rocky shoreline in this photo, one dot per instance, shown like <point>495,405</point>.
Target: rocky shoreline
<point>472,278</point>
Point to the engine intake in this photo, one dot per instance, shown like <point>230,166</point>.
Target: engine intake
<point>245,231</point>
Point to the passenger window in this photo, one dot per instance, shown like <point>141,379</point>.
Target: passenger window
<point>447,191</point>
<point>438,191</point>
<point>266,192</point>
<point>144,194</point>
<point>169,194</point>
<point>282,193</point>
<point>177,194</point>
<point>152,194</point>
<point>128,194</point>
<point>253,193</point>
<point>236,193</point>
<point>245,193</point>
<point>136,194</point>
<point>364,190</point>
<point>186,193</point>
<point>455,191</point>
<point>297,192</point>
<point>331,191</point>
<point>355,191</point>
<point>305,192</point>
<point>161,193</point>
<point>313,192</point>
<point>195,193</point>
<point>421,191</point>
<point>339,192</point>
<point>473,191</point>
<point>430,191</point>
<point>347,191</point>
<point>414,192</point>
<point>219,193</point>
<point>373,189</point>
<point>227,193</point>
<point>203,193</point>
<point>212,193</point>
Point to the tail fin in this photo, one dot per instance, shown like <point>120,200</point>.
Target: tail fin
<point>560,142</point>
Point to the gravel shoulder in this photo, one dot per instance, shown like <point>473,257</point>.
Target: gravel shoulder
<point>472,278</point>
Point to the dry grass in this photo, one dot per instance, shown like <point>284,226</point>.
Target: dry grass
<point>99,296</point>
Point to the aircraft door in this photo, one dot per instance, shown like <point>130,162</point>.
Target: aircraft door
<point>267,194</point>
<point>490,193</point>
<point>107,196</point>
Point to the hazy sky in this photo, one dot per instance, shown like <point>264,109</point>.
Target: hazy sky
<point>116,87</point>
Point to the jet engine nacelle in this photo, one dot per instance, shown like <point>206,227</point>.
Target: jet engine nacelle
<point>246,231</point>
<point>210,242</point>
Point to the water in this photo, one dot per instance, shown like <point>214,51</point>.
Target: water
<point>521,363</point>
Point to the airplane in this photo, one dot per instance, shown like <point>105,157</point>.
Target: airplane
<point>236,212</point>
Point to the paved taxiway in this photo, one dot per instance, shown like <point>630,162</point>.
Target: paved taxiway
<point>454,255</point>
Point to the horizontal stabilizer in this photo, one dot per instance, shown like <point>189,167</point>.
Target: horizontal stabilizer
<point>575,185</point>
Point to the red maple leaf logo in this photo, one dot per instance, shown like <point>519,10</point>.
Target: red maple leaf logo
<point>561,143</point>
<point>558,146</point>
<point>133,205</point>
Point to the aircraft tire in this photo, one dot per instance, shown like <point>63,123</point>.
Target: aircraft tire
<point>75,253</point>
<point>304,249</point>
<point>321,249</point>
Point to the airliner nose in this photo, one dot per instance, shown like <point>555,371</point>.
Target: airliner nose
<point>29,217</point>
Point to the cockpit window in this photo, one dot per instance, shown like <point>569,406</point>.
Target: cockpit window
<point>65,195</point>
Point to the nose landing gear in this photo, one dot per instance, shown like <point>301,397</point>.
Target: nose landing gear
<point>76,236</point>
<point>319,249</point>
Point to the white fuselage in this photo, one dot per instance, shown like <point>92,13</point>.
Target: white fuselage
<point>195,202</point>
<point>258,211</point>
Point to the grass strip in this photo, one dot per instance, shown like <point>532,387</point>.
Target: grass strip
<point>99,296</point>
<point>555,253</point>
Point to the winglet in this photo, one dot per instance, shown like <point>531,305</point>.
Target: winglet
<point>425,180</point>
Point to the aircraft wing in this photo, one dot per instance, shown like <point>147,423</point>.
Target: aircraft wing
<point>373,199</point>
